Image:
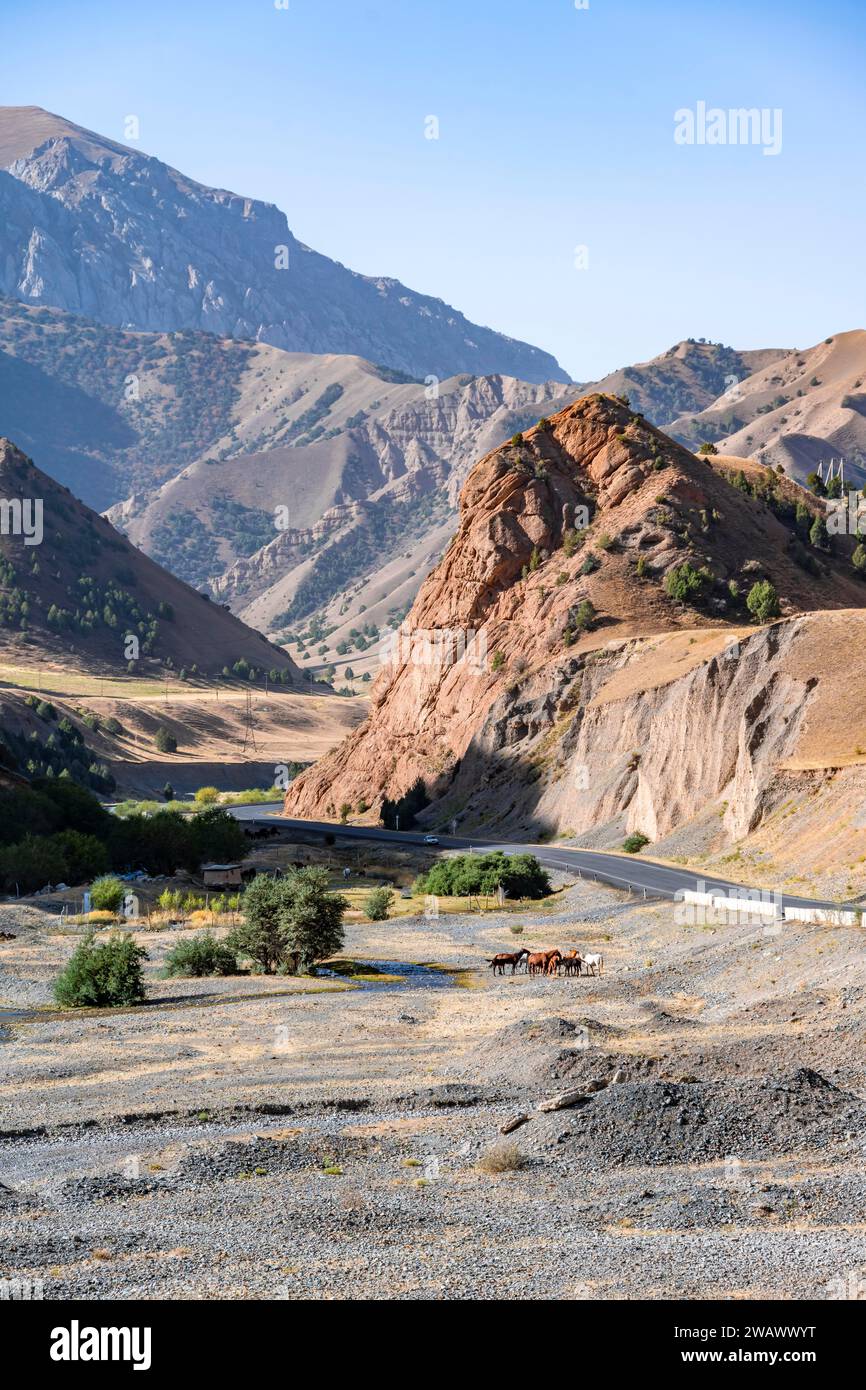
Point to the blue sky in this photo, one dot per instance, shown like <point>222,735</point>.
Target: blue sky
<point>555,131</point>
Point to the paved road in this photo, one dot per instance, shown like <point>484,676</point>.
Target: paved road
<point>621,870</point>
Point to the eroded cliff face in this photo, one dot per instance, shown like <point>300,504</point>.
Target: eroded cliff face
<point>523,714</point>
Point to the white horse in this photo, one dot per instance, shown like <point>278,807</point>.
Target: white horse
<point>594,963</point>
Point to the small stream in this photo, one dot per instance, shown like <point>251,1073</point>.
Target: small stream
<point>407,973</point>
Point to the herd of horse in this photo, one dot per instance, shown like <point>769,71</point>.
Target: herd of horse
<point>548,962</point>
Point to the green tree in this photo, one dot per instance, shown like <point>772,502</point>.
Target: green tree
<point>214,834</point>
<point>314,916</point>
<point>378,903</point>
<point>165,740</point>
<point>101,975</point>
<point>816,484</point>
<point>763,602</point>
<point>32,863</point>
<point>684,583</point>
<point>858,559</point>
<point>200,955</point>
<point>819,536</point>
<point>85,855</point>
<point>263,935</point>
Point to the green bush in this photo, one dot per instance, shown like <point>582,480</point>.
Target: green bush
<point>101,975</point>
<point>520,875</point>
<point>106,893</point>
<point>377,904</point>
<point>683,583</point>
<point>634,843</point>
<point>763,602</point>
<point>165,741</point>
<point>201,955</point>
<point>819,536</point>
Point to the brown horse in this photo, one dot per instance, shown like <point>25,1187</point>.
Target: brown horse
<point>499,962</point>
<point>544,962</point>
<point>573,962</point>
<point>554,961</point>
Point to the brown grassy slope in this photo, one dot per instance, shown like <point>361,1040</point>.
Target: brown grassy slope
<point>77,543</point>
<point>806,407</point>
<point>508,572</point>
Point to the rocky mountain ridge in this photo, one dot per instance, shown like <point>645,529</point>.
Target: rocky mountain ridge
<point>624,685</point>
<point>101,230</point>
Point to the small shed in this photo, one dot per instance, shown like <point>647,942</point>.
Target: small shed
<point>221,875</point>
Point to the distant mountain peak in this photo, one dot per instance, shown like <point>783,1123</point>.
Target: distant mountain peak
<point>96,228</point>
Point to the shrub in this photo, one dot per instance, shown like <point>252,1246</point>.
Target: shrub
<point>816,484</point>
<point>207,796</point>
<point>520,875</point>
<point>819,536</point>
<point>635,842</point>
<point>762,601</point>
<point>683,583</point>
<point>858,559</point>
<point>591,563</point>
<point>707,448</point>
<point>501,1158</point>
<point>201,955</point>
<point>497,661</point>
<point>106,893</point>
<point>165,741</point>
<point>584,617</point>
<point>377,904</point>
<point>101,975</point>
<point>571,541</point>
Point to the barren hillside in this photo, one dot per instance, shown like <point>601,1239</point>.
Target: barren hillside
<point>798,411</point>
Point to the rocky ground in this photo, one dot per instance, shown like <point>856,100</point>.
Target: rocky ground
<point>272,1138</point>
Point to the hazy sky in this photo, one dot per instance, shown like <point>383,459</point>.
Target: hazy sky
<point>556,131</point>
